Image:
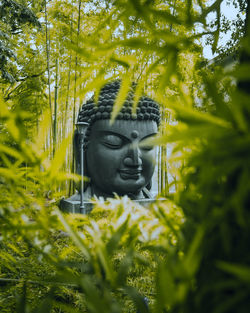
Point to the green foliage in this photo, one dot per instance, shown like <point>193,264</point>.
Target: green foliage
<point>187,253</point>
<point>13,16</point>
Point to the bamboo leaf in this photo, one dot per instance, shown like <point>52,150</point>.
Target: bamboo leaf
<point>192,116</point>
<point>75,237</point>
<point>240,271</point>
<point>43,131</point>
<point>122,95</point>
<point>11,152</point>
<point>137,95</point>
<point>59,157</point>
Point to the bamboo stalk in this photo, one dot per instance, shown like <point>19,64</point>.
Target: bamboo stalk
<point>72,185</point>
<point>47,38</point>
<point>68,82</point>
<point>55,109</point>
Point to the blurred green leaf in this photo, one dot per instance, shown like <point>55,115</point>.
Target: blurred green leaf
<point>242,272</point>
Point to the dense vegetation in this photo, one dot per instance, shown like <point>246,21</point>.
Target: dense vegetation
<point>187,253</point>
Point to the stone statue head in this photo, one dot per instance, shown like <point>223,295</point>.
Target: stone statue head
<point>115,160</point>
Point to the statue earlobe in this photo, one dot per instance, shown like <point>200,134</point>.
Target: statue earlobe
<point>149,185</point>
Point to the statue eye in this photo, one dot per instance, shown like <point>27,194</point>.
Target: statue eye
<point>147,148</point>
<point>112,141</point>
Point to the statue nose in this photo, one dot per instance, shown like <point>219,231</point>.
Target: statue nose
<point>133,157</point>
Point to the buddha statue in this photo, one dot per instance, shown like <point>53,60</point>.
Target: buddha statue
<point>115,160</point>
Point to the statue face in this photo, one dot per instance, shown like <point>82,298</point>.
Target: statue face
<point>116,163</point>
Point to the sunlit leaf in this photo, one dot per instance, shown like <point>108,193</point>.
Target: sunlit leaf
<point>122,95</point>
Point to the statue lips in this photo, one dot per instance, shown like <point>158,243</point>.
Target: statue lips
<point>133,173</point>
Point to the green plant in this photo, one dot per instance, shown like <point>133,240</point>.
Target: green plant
<point>185,254</point>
